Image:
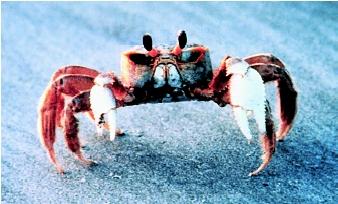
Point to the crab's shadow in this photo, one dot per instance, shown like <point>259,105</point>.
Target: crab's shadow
<point>135,161</point>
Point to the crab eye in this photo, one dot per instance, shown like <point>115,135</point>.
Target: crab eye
<point>141,59</point>
<point>190,56</point>
<point>147,42</point>
<point>182,39</point>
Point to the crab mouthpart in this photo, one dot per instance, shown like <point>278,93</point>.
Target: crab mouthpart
<point>167,74</point>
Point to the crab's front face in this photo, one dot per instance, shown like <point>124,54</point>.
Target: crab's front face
<point>166,71</point>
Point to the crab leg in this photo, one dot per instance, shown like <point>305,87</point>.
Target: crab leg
<point>286,95</point>
<point>52,110</point>
<point>47,129</point>
<point>74,71</point>
<point>78,104</point>
<point>264,58</point>
<point>47,116</point>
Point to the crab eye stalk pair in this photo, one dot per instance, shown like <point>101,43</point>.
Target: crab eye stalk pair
<point>148,43</point>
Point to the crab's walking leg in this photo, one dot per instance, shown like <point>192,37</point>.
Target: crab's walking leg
<point>47,121</point>
<point>264,58</point>
<point>66,82</point>
<point>287,102</point>
<point>268,140</point>
<point>49,133</point>
<point>71,130</point>
<point>286,95</point>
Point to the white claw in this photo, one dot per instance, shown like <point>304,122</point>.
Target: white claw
<point>242,121</point>
<point>112,137</point>
<point>99,130</point>
<point>103,104</point>
<point>247,94</point>
<point>111,118</point>
<point>99,119</point>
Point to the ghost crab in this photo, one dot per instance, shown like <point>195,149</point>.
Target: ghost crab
<point>167,74</point>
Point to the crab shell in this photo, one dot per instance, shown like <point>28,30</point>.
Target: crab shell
<point>194,65</point>
<point>146,74</point>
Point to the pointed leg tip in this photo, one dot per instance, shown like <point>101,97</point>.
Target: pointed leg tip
<point>280,137</point>
<point>89,162</point>
<point>112,138</point>
<point>93,163</point>
<point>83,160</point>
<point>119,132</point>
<point>60,170</point>
<point>253,174</point>
<point>282,132</point>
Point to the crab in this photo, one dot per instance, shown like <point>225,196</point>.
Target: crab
<point>165,74</point>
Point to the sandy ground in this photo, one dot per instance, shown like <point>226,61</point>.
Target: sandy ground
<point>189,152</point>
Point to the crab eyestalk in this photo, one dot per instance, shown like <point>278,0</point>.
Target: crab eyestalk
<point>182,41</point>
<point>148,45</point>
